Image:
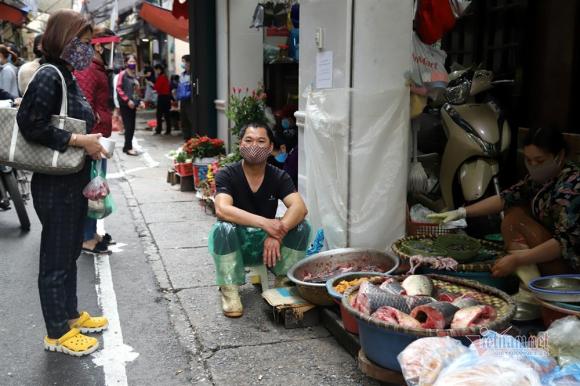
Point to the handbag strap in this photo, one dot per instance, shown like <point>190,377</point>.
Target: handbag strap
<point>64,101</point>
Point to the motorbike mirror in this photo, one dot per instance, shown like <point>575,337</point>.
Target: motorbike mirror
<point>459,93</point>
<point>481,81</point>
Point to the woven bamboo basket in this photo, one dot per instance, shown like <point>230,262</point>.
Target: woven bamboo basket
<point>502,302</point>
<point>479,266</point>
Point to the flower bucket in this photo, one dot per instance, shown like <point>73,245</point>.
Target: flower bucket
<point>200,168</point>
<point>184,169</point>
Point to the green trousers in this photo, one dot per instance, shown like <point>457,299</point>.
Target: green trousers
<point>234,247</point>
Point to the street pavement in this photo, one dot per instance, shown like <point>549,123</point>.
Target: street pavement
<point>158,288</point>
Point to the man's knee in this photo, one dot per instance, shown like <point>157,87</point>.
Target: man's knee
<point>222,238</point>
<point>298,237</point>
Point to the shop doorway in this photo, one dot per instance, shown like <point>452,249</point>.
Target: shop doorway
<point>202,48</point>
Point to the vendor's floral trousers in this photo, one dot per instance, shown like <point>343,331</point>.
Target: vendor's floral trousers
<point>234,247</point>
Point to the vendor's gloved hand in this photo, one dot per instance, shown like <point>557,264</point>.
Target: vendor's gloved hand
<point>446,217</point>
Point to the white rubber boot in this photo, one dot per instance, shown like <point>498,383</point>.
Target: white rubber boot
<point>231,303</point>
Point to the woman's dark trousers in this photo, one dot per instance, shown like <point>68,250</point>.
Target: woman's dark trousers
<point>61,208</point>
<point>128,115</point>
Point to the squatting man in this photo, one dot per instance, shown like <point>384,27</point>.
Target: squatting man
<point>248,232</point>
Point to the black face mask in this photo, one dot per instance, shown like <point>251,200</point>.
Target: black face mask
<point>106,56</point>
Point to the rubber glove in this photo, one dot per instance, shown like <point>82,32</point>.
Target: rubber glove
<point>446,217</point>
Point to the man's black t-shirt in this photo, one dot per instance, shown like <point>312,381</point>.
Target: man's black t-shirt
<point>277,184</point>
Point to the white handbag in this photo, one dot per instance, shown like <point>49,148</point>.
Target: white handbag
<point>21,154</point>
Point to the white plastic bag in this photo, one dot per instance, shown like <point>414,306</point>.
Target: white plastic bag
<point>459,7</point>
<point>564,341</point>
<point>423,360</point>
<point>473,370</point>
<point>428,71</point>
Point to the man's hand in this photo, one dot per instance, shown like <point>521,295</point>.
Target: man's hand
<point>142,105</point>
<point>271,252</point>
<point>506,265</point>
<point>17,101</point>
<point>275,228</point>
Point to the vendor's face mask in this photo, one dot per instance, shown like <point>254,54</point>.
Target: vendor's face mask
<point>255,154</point>
<point>545,171</point>
<point>78,54</point>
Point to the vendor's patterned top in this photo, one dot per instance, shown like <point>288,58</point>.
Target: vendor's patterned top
<point>556,205</point>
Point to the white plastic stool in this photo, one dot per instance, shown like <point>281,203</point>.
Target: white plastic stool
<point>262,272</point>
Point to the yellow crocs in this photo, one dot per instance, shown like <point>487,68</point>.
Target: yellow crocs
<point>89,324</point>
<point>72,343</point>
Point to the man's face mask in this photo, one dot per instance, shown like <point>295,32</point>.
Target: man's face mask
<point>254,154</point>
<point>545,171</point>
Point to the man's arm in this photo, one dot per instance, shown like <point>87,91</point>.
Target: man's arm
<point>296,210</point>
<point>226,211</point>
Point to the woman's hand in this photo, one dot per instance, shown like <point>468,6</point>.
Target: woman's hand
<point>131,105</point>
<point>506,265</point>
<point>91,144</point>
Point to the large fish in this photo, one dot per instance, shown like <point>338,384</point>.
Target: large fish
<point>417,285</point>
<point>466,300</point>
<point>392,286</point>
<point>370,298</point>
<point>434,315</point>
<point>474,316</point>
<point>393,316</point>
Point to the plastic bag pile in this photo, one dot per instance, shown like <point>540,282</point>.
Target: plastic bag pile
<point>445,361</point>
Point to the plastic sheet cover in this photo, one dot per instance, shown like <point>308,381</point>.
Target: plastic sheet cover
<point>356,150</point>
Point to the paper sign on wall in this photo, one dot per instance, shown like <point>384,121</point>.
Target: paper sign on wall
<point>324,69</point>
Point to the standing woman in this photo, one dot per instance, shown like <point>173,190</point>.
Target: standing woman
<point>163,100</point>
<point>58,200</point>
<point>94,84</point>
<point>128,96</point>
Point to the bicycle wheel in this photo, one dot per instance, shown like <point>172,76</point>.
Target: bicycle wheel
<point>12,187</point>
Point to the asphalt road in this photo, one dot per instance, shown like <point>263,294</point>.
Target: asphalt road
<point>144,336</point>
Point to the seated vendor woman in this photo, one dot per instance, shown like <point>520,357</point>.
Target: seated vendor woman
<point>248,233</point>
<point>542,212</point>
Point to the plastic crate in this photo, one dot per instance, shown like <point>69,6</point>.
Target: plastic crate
<point>425,229</point>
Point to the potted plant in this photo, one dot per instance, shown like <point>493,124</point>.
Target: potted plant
<point>182,164</point>
<point>204,150</point>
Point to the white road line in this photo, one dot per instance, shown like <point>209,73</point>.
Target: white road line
<point>115,354</point>
<point>149,161</point>
<point>123,173</point>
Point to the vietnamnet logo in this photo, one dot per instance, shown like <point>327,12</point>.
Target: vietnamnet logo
<point>505,344</point>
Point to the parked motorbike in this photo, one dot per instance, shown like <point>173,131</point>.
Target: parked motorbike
<point>14,188</point>
<point>477,135</point>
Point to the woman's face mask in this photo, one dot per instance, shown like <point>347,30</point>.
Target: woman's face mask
<point>78,54</point>
<point>545,171</point>
<point>132,66</point>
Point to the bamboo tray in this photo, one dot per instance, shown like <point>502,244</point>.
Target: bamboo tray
<point>474,266</point>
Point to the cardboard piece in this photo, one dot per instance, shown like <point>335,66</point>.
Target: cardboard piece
<point>290,309</point>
